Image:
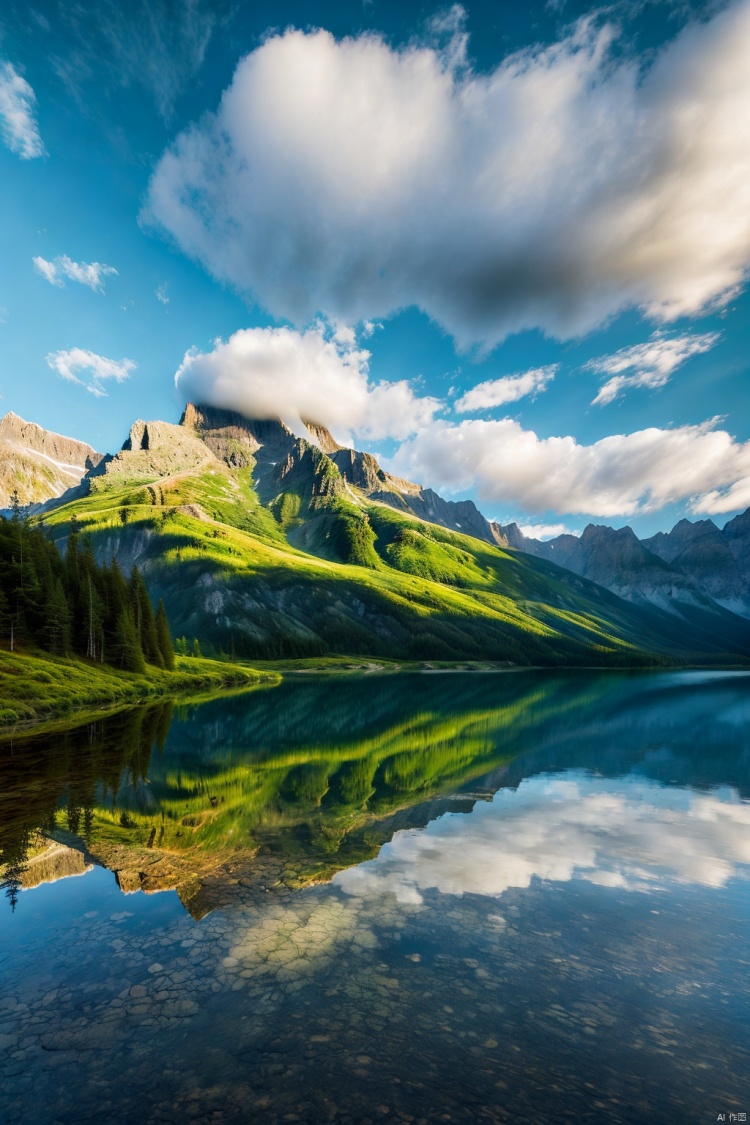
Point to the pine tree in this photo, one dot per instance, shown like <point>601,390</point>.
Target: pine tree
<point>145,623</point>
<point>57,620</point>
<point>164,637</point>
<point>127,649</point>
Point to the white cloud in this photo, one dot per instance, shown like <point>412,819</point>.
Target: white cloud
<point>628,833</point>
<point>76,362</point>
<point>571,182</point>
<point>161,294</point>
<point>544,530</point>
<point>498,392</point>
<point>86,273</point>
<point>651,364</point>
<point>302,376</point>
<point>17,114</point>
<point>621,475</point>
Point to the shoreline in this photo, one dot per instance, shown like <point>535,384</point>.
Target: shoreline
<point>40,693</point>
<point>42,710</point>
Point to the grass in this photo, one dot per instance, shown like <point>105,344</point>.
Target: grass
<point>430,595</point>
<point>347,577</point>
<point>39,690</point>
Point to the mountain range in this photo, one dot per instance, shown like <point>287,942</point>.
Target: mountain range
<point>693,564</point>
<point>266,544</point>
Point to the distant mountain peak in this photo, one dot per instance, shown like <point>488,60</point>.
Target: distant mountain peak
<point>694,565</point>
<point>39,464</point>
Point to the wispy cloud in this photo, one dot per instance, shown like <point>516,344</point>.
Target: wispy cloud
<point>510,388</point>
<point>161,294</point>
<point>17,114</point>
<point>158,45</point>
<point>650,364</point>
<point>86,273</point>
<point>89,370</point>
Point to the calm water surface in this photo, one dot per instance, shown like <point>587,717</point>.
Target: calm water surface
<point>459,897</point>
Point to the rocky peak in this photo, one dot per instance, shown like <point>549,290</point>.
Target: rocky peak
<point>154,450</point>
<point>67,451</point>
<point>360,469</point>
<point>237,440</point>
<point>737,536</point>
<point>38,464</point>
<point>323,438</point>
<point>320,466</point>
<point>685,535</point>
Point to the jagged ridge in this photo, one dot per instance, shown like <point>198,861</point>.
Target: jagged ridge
<point>39,464</point>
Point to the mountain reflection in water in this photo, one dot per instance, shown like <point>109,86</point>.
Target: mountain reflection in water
<point>319,773</point>
<point>410,898</point>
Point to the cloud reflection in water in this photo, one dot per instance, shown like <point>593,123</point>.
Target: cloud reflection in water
<point>628,832</point>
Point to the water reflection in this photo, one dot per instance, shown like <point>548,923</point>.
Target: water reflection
<point>319,773</point>
<point>627,833</point>
<point>538,907</point>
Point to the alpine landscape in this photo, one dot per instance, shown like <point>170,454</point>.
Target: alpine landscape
<point>374,562</point>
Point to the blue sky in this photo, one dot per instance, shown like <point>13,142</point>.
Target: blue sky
<point>442,231</point>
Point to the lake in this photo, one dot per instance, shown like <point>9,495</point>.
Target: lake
<point>373,898</point>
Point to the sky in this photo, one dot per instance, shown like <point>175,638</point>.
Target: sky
<point>504,247</point>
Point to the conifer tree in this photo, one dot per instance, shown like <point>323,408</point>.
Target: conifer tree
<point>164,637</point>
<point>127,649</point>
<point>57,619</point>
<point>145,623</point>
<point>73,605</point>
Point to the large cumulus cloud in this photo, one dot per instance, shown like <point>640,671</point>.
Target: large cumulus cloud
<point>571,182</point>
<point>315,376</point>
<point>620,475</point>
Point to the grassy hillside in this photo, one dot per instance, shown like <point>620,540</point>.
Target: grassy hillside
<point>292,561</point>
<point>37,688</point>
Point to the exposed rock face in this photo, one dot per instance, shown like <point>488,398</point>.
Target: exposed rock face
<point>458,515</point>
<point>279,457</point>
<point>323,437</point>
<point>155,450</point>
<point>39,464</point>
<point>737,535</point>
<point>706,556</point>
<point>360,469</point>
<point>695,564</point>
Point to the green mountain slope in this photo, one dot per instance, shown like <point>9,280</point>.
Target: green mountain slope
<point>264,545</point>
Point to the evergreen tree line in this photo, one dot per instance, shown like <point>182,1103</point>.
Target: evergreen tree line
<point>69,605</point>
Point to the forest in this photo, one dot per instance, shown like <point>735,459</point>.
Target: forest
<point>69,605</point>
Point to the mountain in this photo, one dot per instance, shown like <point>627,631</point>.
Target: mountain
<point>39,464</point>
<point>694,566</point>
<point>267,544</point>
<point>233,437</point>
<point>716,562</point>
